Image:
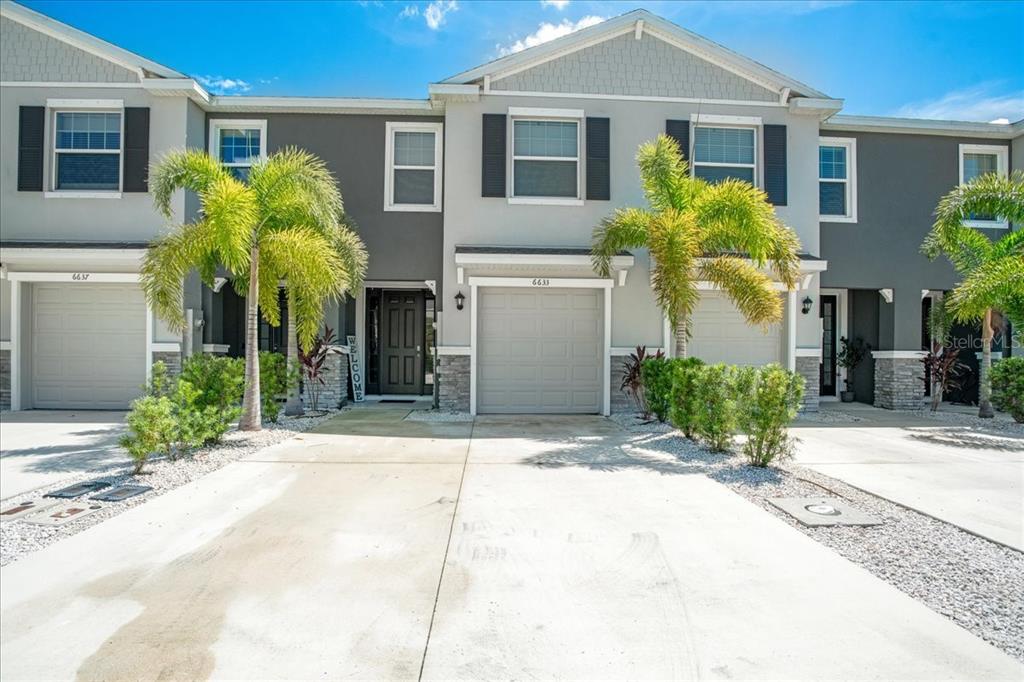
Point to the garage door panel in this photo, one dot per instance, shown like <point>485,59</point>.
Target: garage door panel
<point>540,351</point>
<point>721,334</point>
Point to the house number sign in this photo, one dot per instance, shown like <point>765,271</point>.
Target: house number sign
<point>79,276</point>
<point>540,282</point>
<point>355,369</point>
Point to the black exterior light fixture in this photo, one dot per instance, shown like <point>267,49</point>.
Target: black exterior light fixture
<point>460,300</point>
<point>807,305</point>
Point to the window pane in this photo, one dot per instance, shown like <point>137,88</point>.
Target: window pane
<point>724,145</point>
<point>832,163</point>
<point>545,179</point>
<point>832,198</point>
<point>976,165</point>
<point>414,149</point>
<point>88,131</point>
<point>88,171</point>
<point>715,174</point>
<point>545,138</point>
<point>239,145</point>
<point>241,173</point>
<point>414,187</point>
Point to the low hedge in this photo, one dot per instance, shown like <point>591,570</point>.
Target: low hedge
<point>1008,387</point>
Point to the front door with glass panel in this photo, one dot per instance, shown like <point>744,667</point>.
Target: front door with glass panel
<point>828,345</point>
<point>402,339</point>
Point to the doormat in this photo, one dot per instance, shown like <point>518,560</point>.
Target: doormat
<point>78,489</point>
<point>120,493</point>
<point>24,508</point>
<point>64,513</point>
<point>396,401</point>
<point>824,511</point>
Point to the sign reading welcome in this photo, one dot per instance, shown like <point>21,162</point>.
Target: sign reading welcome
<point>355,369</point>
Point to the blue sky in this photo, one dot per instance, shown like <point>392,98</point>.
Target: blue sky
<point>960,60</point>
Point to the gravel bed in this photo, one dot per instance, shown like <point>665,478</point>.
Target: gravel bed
<point>18,538</point>
<point>632,421</point>
<point>827,416</point>
<point>974,582</point>
<point>438,416</point>
<point>1002,422</point>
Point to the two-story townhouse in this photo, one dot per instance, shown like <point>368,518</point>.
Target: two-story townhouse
<point>81,122</point>
<point>541,145</point>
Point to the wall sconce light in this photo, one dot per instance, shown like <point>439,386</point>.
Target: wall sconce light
<point>460,300</point>
<point>807,305</point>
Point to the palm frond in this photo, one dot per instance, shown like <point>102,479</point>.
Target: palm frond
<point>352,251</point>
<point>663,173</point>
<point>293,186</point>
<point>165,265</point>
<point>675,246</point>
<point>191,170</point>
<point>995,284</point>
<point>752,291</point>
<point>624,229</point>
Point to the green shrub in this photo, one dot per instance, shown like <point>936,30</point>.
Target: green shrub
<point>152,429</point>
<point>1008,387</point>
<point>656,374</point>
<point>714,417</point>
<point>768,400</point>
<point>682,396</point>
<point>275,380</point>
<point>209,396</point>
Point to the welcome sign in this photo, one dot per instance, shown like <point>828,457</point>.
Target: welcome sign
<point>355,369</point>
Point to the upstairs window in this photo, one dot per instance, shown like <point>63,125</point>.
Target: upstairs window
<point>546,159</point>
<point>413,177</point>
<point>837,177</point>
<point>720,153</point>
<point>87,151</point>
<point>977,160</point>
<point>238,144</point>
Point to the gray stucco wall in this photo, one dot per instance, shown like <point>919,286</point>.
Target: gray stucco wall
<point>28,55</point>
<point>402,245</point>
<point>900,179</point>
<point>627,66</point>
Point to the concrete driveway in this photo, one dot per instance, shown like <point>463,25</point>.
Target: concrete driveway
<point>967,477</point>
<point>44,447</point>
<point>378,548</point>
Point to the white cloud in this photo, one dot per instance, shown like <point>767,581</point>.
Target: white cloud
<point>557,4</point>
<point>409,11</point>
<point>436,11</point>
<point>977,103</point>
<point>221,86</point>
<point>547,32</point>
<point>1004,121</point>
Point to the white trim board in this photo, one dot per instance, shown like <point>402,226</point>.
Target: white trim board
<point>83,278</point>
<point>543,282</point>
<point>898,354</point>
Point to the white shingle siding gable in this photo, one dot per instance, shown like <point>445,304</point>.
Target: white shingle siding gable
<point>627,66</point>
<point>28,55</point>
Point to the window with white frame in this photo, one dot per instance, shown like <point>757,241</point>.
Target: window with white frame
<point>87,151</point>
<point>546,158</point>
<point>977,160</point>
<point>238,144</point>
<point>725,152</point>
<point>413,175</point>
<point>837,179</point>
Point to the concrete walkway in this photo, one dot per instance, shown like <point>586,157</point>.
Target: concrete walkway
<point>44,447</point>
<point>973,479</point>
<point>378,548</point>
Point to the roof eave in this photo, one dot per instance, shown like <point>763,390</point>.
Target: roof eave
<point>915,126</point>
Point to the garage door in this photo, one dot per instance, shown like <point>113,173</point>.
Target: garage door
<point>540,350</point>
<point>88,345</point>
<point>721,334</point>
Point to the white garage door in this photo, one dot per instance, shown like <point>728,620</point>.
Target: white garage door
<point>540,350</point>
<point>88,345</point>
<point>721,334</point>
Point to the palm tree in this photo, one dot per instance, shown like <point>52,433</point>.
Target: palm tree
<point>276,225</point>
<point>724,233</point>
<point>992,271</point>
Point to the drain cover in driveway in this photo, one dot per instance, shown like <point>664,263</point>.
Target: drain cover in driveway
<point>78,489</point>
<point>121,492</point>
<point>60,515</point>
<point>24,507</point>
<point>824,511</point>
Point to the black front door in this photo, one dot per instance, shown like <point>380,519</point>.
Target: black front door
<point>828,345</point>
<point>402,338</point>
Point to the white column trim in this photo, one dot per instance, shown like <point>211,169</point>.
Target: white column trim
<point>666,335</point>
<point>472,346</point>
<point>606,408</point>
<point>791,322</point>
<point>543,282</point>
<point>15,344</point>
<point>898,354</point>
<point>76,277</point>
<point>149,341</point>
<point>453,350</point>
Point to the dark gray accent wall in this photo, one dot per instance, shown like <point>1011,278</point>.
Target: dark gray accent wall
<point>402,245</point>
<point>900,179</point>
<point>863,321</point>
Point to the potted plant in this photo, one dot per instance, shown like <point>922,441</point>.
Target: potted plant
<point>850,355</point>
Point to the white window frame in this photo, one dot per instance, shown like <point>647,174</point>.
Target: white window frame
<point>1002,158</point>
<point>392,127</point>
<point>740,122</point>
<point>217,124</point>
<point>551,115</point>
<point>83,106</point>
<point>850,143</point>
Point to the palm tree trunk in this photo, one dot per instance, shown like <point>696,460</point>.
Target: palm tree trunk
<point>985,410</point>
<point>293,404</point>
<point>252,418</point>
<point>680,338</point>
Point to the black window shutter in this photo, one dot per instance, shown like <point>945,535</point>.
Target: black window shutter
<point>493,165</point>
<point>31,121</point>
<point>136,149</point>
<point>598,153</point>
<point>680,132</point>
<point>775,164</point>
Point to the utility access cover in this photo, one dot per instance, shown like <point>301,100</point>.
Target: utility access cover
<point>78,489</point>
<point>60,515</point>
<point>24,507</point>
<point>121,492</point>
<point>824,511</point>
